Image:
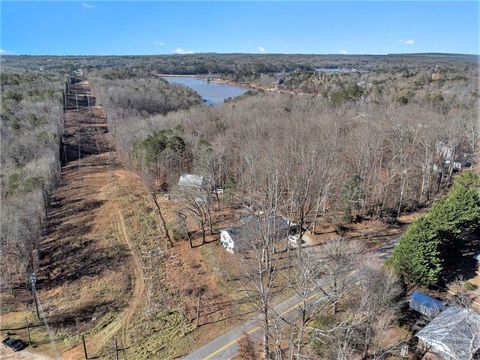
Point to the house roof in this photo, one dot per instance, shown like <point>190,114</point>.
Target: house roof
<point>425,304</point>
<point>191,180</point>
<point>251,228</point>
<point>454,333</point>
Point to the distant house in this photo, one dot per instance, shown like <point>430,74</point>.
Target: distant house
<point>452,156</point>
<point>192,181</point>
<point>425,305</point>
<point>436,76</point>
<point>78,72</point>
<point>436,73</point>
<point>241,238</point>
<point>445,150</point>
<point>454,334</point>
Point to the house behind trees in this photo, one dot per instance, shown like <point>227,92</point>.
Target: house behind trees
<point>243,237</point>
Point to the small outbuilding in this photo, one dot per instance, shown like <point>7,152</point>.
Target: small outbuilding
<point>454,334</point>
<point>425,304</point>
<point>192,181</point>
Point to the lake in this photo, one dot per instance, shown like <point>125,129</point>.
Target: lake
<point>335,70</point>
<point>211,92</point>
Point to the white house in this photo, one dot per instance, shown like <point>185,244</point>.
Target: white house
<point>242,237</point>
<point>231,239</point>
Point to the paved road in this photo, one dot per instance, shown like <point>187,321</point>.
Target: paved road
<point>225,346</point>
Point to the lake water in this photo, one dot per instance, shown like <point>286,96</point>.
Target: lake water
<point>335,70</point>
<point>211,92</point>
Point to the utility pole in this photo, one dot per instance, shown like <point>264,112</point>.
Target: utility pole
<point>200,293</point>
<point>65,159</point>
<point>84,347</point>
<point>33,281</point>
<point>115,346</point>
<point>28,331</point>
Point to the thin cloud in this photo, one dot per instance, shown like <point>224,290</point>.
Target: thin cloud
<point>158,43</point>
<point>261,49</point>
<point>407,42</point>
<point>7,52</point>
<point>182,51</point>
<point>87,6</point>
<point>344,52</point>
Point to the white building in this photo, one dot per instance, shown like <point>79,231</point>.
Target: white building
<point>190,180</point>
<point>243,237</point>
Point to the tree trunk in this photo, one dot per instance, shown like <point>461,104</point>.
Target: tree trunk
<point>204,239</point>
<point>367,343</point>
<point>335,296</point>
<point>198,309</point>
<point>317,210</point>
<point>266,348</point>
<point>162,219</point>
<point>302,331</point>
<point>209,217</point>
<point>190,241</point>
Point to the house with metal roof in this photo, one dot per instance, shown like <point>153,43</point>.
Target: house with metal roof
<point>425,304</point>
<point>453,335</point>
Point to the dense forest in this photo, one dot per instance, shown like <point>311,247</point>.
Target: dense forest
<point>238,64</point>
<point>139,97</point>
<point>368,154</point>
<point>31,131</point>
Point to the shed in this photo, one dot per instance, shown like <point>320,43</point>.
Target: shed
<point>454,334</point>
<point>425,305</point>
<point>190,180</point>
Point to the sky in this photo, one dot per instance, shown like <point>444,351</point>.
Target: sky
<point>154,27</point>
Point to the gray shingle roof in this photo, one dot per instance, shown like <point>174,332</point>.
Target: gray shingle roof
<point>251,228</point>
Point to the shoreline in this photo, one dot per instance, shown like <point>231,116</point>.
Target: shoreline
<point>217,80</point>
<point>214,79</point>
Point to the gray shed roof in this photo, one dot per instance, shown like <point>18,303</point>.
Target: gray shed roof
<point>191,180</point>
<point>454,334</point>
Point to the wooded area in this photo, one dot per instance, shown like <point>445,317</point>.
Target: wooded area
<point>31,132</point>
<point>321,149</point>
<point>372,145</point>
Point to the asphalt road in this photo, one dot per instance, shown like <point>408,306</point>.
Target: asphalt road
<point>225,346</point>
